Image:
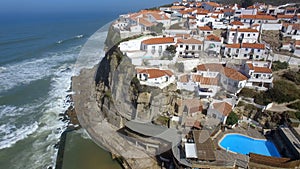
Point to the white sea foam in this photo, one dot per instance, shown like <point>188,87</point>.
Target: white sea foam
<point>31,70</point>
<point>46,132</point>
<point>12,134</point>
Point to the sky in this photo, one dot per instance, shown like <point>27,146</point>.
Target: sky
<point>73,6</point>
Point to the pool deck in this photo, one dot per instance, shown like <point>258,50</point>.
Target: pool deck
<point>241,160</point>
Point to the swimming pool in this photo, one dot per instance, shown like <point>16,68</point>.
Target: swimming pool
<point>244,145</point>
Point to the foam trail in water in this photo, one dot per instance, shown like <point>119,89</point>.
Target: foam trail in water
<point>31,70</point>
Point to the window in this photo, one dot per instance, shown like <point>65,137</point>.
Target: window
<point>193,47</point>
<point>253,34</point>
<point>246,49</point>
<point>237,51</point>
<point>257,56</point>
<point>258,50</point>
<point>199,47</point>
<point>180,53</point>
<point>233,34</point>
<point>153,47</point>
<point>245,55</point>
<point>181,46</point>
<point>229,50</point>
<point>248,34</point>
<point>245,20</point>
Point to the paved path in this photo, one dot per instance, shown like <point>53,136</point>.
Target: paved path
<point>101,132</point>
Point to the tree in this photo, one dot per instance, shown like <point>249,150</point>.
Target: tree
<point>157,28</point>
<point>232,119</point>
<point>171,49</point>
<point>246,3</point>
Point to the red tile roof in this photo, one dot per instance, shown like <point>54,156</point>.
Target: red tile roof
<point>262,70</point>
<point>258,17</point>
<point>250,65</point>
<point>189,41</point>
<point>214,67</point>
<point>247,45</point>
<point>246,30</point>
<point>234,74</point>
<point>155,73</point>
<point>236,23</point>
<point>205,28</point>
<point>205,80</point>
<point>253,45</point>
<point>285,16</point>
<point>162,40</point>
<point>223,107</point>
<point>184,78</point>
<point>228,72</point>
<point>235,45</point>
<point>213,37</point>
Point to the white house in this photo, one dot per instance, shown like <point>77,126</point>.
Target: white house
<point>252,19</point>
<point>260,74</point>
<point>212,44</point>
<point>205,30</point>
<point>230,79</point>
<point>219,110</point>
<point>189,48</point>
<point>155,77</point>
<point>242,36</point>
<point>156,46</point>
<point>206,86</point>
<point>255,51</point>
<point>236,25</point>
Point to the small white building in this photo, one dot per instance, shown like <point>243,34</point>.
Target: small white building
<point>155,47</point>
<point>189,48</point>
<point>212,44</point>
<point>260,74</point>
<point>255,51</point>
<point>219,110</point>
<point>230,79</point>
<point>205,30</point>
<point>252,19</point>
<point>242,36</point>
<point>155,77</point>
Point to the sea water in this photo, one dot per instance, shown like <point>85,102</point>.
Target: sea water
<point>37,60</point>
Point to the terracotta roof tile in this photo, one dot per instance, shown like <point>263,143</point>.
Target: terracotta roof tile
<point>189,41</point>
<point>236,23</point>
<point>205,80</point>
<point>213,37</point>
<point>223,107</point>
<point>145,22</point>
<point>184,78</point>
<point>262,70</point>
<point>215,67</point>
<point>258,17</point>
<point>253,45</point>
<point>162,40</point>
<point>205,28</point>
<point>250,65</point>
<point>235,45</point>
<point>234,74</point>
<point>246,30</point>
<point>155,73</point>
<point>285,16</point>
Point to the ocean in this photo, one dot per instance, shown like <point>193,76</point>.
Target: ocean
<point>37,60</point>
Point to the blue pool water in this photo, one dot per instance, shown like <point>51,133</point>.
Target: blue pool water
<point>244,145</point>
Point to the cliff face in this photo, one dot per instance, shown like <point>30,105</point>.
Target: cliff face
<point>114,93</point>
<point>118,91</point>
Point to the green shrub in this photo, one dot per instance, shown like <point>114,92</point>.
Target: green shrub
<point>277,65</point>
<point>232,119</point>
<point>295,105</point>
